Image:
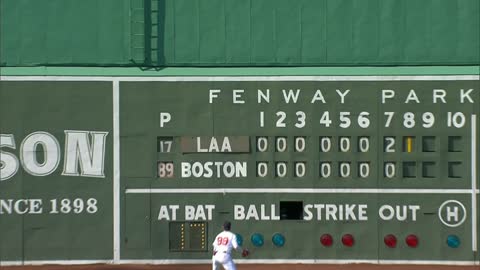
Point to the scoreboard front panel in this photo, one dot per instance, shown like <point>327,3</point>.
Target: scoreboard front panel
<point>387,170</point>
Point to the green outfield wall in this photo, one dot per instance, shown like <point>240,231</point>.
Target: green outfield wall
<point>326,131</point>
<point>309,169</point>
<point>158,33</point>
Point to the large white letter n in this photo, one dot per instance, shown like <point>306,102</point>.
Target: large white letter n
<point>89,153</point>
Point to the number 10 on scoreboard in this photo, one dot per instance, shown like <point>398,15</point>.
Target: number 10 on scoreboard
<point>409,119</point>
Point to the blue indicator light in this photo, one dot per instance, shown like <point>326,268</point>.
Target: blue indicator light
<point>453,241</point>
<point>239,239</point>
<point>257,239</point>
<point>278,240</point>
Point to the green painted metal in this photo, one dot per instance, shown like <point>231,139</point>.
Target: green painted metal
<point>327,32</point>
<point>90,32</point>
<point>72,216</point>
<point>240,33</point>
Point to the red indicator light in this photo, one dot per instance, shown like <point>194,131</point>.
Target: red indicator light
<point>390,240</point>
<point>348,240</point>
<point>412,240</point>
<point>326,240</point>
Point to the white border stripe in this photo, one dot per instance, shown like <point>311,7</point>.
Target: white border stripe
<point>239,261</point>
<point>244,78</point>
<point>116,171</point>
<point>53,262</point>
<point>294,191</point>
<point>474,183</point>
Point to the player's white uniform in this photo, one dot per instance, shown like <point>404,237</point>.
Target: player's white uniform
<point>223,245</point>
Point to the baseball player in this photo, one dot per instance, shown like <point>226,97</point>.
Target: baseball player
<point>222,249</point>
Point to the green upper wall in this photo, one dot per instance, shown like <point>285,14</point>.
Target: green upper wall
<point>64,32</point>
<point>239,32</point>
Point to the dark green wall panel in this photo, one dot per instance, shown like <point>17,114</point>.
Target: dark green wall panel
<point>262,31</point>
<point>55,233</point>
<point>237,31</point>
<point>288,32</point>
<point>313,27</point>
<point>212,36</point>
<point>186,31</point>
<point>64,32</point>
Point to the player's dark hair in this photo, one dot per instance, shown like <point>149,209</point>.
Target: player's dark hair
<point>227,225</point>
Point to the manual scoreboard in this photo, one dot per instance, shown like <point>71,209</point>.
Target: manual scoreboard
<point>305,169</point>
